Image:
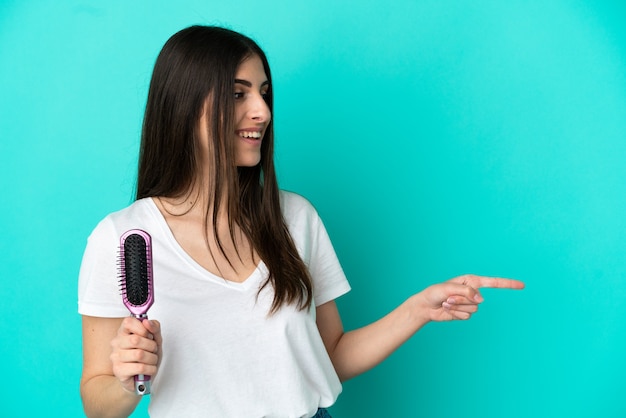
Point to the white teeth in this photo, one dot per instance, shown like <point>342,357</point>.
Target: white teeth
<point>254,134</point>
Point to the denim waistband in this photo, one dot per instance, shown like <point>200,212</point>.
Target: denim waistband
<point>322,413</point>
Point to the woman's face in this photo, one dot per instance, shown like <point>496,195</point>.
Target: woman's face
<point>252,115</point>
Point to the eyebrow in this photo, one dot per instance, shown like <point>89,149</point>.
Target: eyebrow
<point>249,84</point>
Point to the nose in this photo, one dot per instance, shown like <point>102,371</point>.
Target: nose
<point>259,110</point>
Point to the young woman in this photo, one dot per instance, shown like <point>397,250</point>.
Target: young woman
<point>245,323</point>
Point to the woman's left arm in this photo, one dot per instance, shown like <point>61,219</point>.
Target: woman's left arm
<point>357,351</point>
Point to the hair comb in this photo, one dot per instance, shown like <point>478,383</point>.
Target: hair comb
<point>136,283</point>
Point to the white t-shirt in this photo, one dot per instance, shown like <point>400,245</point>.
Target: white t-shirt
<point>223,355</point>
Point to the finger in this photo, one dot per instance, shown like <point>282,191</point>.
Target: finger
<point>132,325</point>
<point>125,371</point>
<point>154,327</point>
<point>134,341</point>
<point>137,356</point>
<point>129,363</point>
<point>462,300</point>
<point>488,282</point>
<point>463,316</point>
<point>460,315</point>
<point>461,293</point>
<point>468,308</point>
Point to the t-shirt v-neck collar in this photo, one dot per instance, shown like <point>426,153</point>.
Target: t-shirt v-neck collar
<point>259,272</point>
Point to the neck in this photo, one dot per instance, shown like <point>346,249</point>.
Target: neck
<point>195,204</point>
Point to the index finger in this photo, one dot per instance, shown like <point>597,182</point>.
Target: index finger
<point>491,282</point>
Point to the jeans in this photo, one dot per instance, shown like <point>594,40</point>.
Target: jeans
<point>322,413</point>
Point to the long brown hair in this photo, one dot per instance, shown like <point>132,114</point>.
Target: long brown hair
<point>196,65</point>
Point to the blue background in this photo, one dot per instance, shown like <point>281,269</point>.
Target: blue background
<point>435,138</point>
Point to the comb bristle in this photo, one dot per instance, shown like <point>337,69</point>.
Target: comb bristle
<point>135,286</point>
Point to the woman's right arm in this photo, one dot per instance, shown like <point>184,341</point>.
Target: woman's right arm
<point>114,351</point>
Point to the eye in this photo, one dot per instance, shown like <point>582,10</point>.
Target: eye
<point>239,95</point>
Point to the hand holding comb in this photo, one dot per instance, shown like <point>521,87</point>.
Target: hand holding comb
<point>136,283</point>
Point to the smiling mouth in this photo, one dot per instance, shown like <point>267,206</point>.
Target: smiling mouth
<point>249,134</point>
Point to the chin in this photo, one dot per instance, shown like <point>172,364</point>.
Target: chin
<point>251,162</point>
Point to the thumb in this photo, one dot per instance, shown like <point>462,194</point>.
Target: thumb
<point>152,325</point>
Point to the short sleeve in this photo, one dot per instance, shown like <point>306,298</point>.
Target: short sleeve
<point>315,248</point>
<point>98,283</point>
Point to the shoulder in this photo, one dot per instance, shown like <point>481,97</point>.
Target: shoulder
<point>298,211</point>
<point>304,224</point>
<point>294,202</point>
<point>132,216</point>
<point>135,211</point>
